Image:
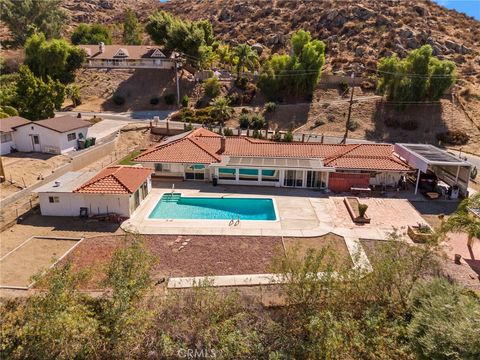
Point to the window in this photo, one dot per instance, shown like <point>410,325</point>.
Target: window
<point>36,139</point>
<point>6,137</point>
<point>159,167</point>
<point>227,173</point>
<point>53,199</point>
<point>71,136</point>
<point>248,174</point>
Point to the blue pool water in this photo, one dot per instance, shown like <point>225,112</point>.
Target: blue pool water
<point>179,207</point>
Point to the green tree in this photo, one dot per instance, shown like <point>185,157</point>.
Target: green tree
<point>54,324</point>
<point>221,110</point>
<point>73,93</point>
<point>464,221</point>
<point>225,55</point>
<point>25,17</point>
<point>445,322</point>
<point>91,34</point>
<point>247,58</point>
<point>212,87</point>
<point>8,87</point>
<point>56,58</point>
<point>35,98</point>
<point>125,315</point>
<point>192,38</point>
<point>132,31</point>
<point>296,73</point>
<point>418,77</point>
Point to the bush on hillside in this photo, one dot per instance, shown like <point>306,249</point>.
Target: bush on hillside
<point>118,99</point>
<point>185,100</point>
<point>169,99</point>
<point>212,87</point>
<point>453,137</point>
<point>270,107</point>
<point>154,101</point>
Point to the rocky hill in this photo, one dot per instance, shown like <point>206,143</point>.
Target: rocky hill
<point>355,32</point>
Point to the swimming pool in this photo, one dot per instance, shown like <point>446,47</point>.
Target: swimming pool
<point>175,206</point>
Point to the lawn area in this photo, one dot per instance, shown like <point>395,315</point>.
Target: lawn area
<point>127,160</point>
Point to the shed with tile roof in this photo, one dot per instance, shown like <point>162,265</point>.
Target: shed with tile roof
<point>114,190</point>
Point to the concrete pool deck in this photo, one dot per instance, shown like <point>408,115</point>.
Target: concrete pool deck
<point>300,212</point>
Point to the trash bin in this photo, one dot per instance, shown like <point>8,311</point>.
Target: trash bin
<point>215,181</point>
<point>93,140</point>
<point>81,143</point>
<point>88,142</point>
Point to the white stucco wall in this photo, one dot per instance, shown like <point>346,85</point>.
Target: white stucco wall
<point>70,203</point>
<point>47,138</point>
<point>5,146</point>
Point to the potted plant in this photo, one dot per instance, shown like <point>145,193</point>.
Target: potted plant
<point>362,209</point>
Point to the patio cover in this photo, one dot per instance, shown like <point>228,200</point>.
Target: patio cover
<point>421,156</point>
<point>274,163</point>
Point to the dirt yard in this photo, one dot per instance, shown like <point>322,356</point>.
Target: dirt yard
<point>37,225</point>
<point>137,87</point>
<point>25,169</point>
<point>332,243</point>
<point>200,256</point>
<point>33,257</point>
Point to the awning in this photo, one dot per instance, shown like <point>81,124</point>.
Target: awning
<point>421,156</point>
<point>273,163</point>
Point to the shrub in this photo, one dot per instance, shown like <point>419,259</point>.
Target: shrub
<point>270,107</point>
<point>453,137</point>
<point>343,86</point>
<point>362,209</point>
<point>443,321</point>
<point>409,125</point>
<point>288,137</point>
<point>244,121</point>
<point>188,126</point>
<point>277,136</point>
<point>118,99</point>
<point>185,100</point>
<point>331,117</point>
<point>169,99</point>
<point>212,87</point>
<point>154,100</point>
<point>199,104</point>
<point>249,94</point>
<point>319,122</point>
<point>227,132</point>
<point>392,123</point>
<point>234,99</point>
<point>9,110</point>
<point>241,83</point>
<point>258,122</point>
<point>352,125</point>
<point>245,111</point>
<point>3,115</point>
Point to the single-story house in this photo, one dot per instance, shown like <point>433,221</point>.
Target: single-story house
<point>7,132</point>
<point>203,155</point>
<point>57,135</point>
<point>114,190</point>
<point>127,56</point>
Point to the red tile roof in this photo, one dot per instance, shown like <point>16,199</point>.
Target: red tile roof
<point>205,147</point>
<point>116,180</point>
<point>9,124</point>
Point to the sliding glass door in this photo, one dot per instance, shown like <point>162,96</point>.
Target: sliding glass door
<point>293,178</point>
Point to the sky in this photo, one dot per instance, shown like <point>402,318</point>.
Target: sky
<point>469,7</point>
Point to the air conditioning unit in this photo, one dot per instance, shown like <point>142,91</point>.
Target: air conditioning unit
<point>51,149</point>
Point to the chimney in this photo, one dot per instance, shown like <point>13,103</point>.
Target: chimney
<point>222,145</point>
<point>101,47</point>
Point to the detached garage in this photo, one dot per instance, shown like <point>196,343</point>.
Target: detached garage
<point>114,190</point>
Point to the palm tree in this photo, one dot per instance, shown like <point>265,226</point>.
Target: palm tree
<point>246,58</point>
<point>222,110</point>
<point>464,220</point>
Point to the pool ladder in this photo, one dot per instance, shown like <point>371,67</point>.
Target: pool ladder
<point>233,222</point>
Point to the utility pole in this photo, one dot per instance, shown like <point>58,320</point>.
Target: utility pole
<point>2,171</point>
<point>176,81</point>
<point>344,141</point>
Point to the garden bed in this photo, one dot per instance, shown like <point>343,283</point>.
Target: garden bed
<point>352,204</point>
<point>420,233</point>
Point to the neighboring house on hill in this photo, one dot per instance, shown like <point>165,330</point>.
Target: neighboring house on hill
<point>8,134</point>
<point>127,56</point>
<point>56,135</point>
<point>114,190</point>
<point>204,155</point>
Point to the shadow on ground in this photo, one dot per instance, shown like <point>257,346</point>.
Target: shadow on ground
<point>64,223</point>
<point>146,84</point>
<point>393,125</point>
<point>435,207</point>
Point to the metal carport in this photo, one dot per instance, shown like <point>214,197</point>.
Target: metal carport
<point>446,166</point>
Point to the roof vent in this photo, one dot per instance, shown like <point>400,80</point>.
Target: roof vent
<point>101,47</point>
<point>56,184</point>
